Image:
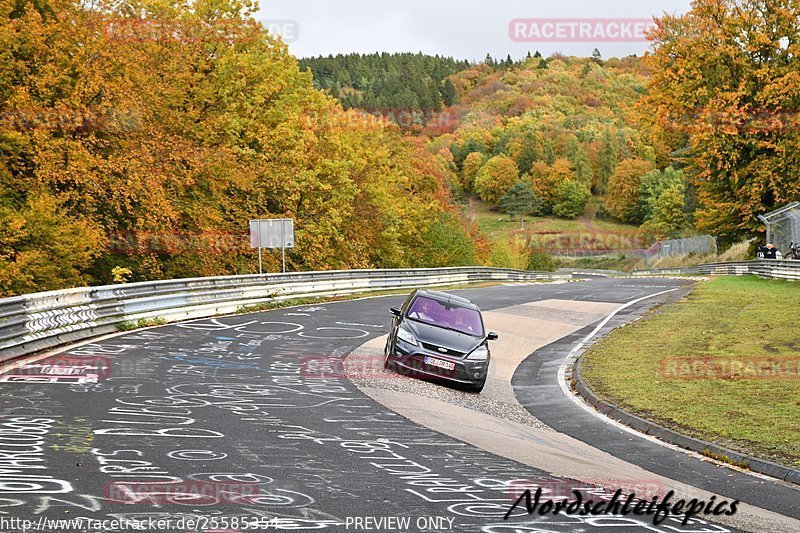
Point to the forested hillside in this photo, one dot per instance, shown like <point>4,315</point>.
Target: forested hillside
<point>387,81</point>
<point>563,127</point>
<point>137,140</point>
<point>699,135</point>
<point>145,138</point>
<point>543,137</point>
<point>572,114</point>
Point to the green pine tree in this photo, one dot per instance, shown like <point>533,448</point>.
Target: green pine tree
<point>519,200</point>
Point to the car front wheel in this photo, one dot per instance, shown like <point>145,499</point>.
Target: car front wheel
<point>387,358</point>
<point>478,387</point>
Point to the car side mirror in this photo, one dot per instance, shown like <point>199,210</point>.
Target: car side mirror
<point>396,312</point>
<point>492,336</point>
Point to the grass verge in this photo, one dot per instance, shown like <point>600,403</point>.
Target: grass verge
<point>141,323</point>
<point>721,366</point>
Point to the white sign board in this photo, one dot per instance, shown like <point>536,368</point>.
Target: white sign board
<point>278,233</point>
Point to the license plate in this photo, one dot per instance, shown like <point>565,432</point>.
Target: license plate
<point>447,365</point>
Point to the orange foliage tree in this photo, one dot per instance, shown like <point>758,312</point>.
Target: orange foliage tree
<point>725,91</point>
<point>151,133</point>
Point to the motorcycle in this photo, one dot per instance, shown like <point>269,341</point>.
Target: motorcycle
<point>794,251</point>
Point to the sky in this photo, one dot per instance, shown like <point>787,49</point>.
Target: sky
<point>463,29</point>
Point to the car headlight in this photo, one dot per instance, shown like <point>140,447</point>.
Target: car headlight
<point>406,336</point>
<point>481,353</point>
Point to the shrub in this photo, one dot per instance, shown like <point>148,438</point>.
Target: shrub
<point>571,199</point>
<point>541,261</point>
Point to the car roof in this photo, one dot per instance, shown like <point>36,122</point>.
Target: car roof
<point>444,297</point>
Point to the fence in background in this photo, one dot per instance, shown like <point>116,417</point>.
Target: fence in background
<point>784,228</point>
<point>36,322</point>
<point>702,245</point>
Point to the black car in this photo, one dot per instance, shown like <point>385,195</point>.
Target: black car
<point>440,336</point>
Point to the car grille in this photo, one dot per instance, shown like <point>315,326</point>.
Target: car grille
<point>442,350</point>
<point>417,362</point>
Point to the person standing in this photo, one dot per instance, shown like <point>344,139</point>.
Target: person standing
<point>770,252</point>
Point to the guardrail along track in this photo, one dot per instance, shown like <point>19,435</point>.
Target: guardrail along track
<point>36,322</point>
<point>772,269</point>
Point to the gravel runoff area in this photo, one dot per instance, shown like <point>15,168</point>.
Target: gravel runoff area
<point>523,328</point>
<point>364,368</point>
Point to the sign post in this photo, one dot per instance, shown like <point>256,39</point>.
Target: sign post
<point>283,246</point>
<point>276,233</point>
<point>260,264</point>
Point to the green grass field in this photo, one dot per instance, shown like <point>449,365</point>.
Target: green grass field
<point>551,233</point>
<point>499,226</point>
<point>655,369</point>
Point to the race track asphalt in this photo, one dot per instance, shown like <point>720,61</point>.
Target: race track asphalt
<point>252,411</point>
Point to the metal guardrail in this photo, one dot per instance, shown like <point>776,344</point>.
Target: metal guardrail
<point>772,269</point>
<point>42,321</point>
<point>593,272</point>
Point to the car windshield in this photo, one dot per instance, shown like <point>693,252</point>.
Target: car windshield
<point>461,319</point>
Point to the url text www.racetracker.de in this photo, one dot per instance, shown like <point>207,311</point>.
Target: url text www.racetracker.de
<point>216,524</point>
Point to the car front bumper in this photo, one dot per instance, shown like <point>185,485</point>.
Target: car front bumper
<point>411,359</point>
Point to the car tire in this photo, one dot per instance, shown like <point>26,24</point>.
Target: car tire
<point>388,364</point>
<point>478,387</point>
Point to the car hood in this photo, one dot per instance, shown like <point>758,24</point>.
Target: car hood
<point>446,338</point>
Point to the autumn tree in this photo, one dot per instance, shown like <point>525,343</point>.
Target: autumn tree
<point>608,158</point>
<point>577,155</point>
<point>472,165</point>
<point>495,178</point>
<point>447,244</point>
<point>529,151</point>
<point>161,128</point>
<point>624,188</point>
<point>668,217</point>
<point>545,181</point>
<point>653,186</point>
<point>42,247</point>
<point>725,89</point>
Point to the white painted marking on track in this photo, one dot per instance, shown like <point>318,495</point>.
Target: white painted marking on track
<point>577,400</point>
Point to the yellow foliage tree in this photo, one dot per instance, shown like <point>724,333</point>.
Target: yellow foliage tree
<point>495,178</point>
<point>624,188</point>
